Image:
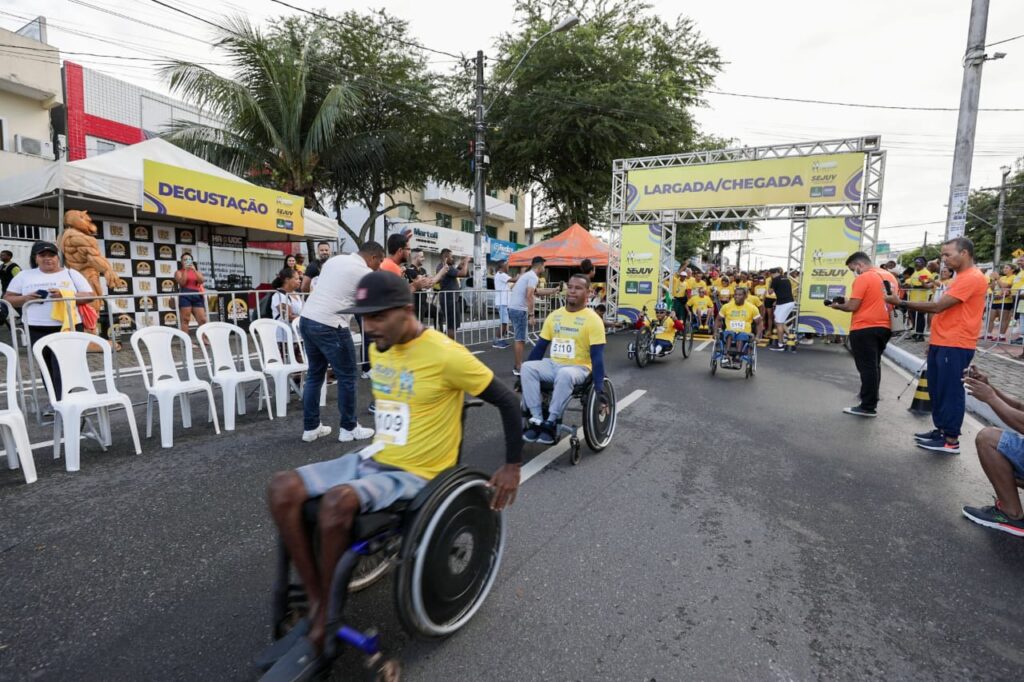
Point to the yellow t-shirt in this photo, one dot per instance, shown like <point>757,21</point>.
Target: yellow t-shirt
<point>739,318</point>
<point>419,388</point>
<point>664,330</point>
<point>760,290</point>
<point>754,300</point>
<point>725,293</point>
<point>679,287</point>
<point>917,279</point>
<point>690,285</point>
<point>572,334</point>
<point>716,282</point>
<point>699,304</point>
<point>1005,282</point>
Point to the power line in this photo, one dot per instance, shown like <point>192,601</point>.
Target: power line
<point>1006,40</point>
<point>111,12</point>
<point>847,104</point>
<point>188,14</point>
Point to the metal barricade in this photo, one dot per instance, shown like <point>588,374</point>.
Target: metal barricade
<point>472,315</point>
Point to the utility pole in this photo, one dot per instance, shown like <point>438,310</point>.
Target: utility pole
<point>970,92</point>
<point>533,201</point>
<point>999,218</point>
<point>480,161</point>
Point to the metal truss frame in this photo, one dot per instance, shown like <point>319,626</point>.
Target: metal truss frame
<point>868,209</point>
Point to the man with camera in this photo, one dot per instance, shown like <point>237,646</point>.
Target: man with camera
<point>451,302</point>
<point>870,327</point>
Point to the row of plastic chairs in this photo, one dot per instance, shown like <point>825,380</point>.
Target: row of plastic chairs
<point>154,350</point>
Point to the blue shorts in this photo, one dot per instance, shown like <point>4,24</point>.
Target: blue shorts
<point>1011,446</point>
<point>739,336</point>
<point>518,318</point>
<point>503,314</point>
<point>191,300</point>
<point>377,486</point>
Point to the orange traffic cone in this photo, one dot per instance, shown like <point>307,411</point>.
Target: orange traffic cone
<point>921,404</point>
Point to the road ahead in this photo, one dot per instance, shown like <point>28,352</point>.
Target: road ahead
<point>734,529</point>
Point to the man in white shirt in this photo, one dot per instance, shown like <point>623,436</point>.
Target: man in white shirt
<point>520,307</point>
<point>502,282</point>
<point>328,341</point>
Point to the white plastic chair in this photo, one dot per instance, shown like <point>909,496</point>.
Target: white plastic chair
<point>302,349</point>
<point>79,394</point>
<point>280,369</point>
<point>215,338</point>
<point>12,422</point>
<point>164,383</point>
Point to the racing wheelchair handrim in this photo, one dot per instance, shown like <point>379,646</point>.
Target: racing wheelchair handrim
<point>426,625</point>
<point>590,427</point>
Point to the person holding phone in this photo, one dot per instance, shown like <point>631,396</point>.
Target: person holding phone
<point>47,279</point>
<point>192,301</point>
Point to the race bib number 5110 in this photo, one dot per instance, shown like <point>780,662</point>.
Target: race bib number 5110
<point>564,349</point>
<point>392,422</point>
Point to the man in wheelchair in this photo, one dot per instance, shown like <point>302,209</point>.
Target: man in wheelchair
<point>664,327</point>
<point>737,323</point>
<point>700,306</point>
<point>419,379</point>
<point>576,337</point>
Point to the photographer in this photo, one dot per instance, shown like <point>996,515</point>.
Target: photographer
<point>870,327</point>
<point>451,302</point>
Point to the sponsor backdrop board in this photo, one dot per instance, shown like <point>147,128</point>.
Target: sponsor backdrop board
<point>819,179</point>
<point>828,243</point>
<point>639,269</point>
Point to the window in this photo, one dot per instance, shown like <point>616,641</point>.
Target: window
<point>514,200</point>
<point>444,220</point>
<point>492,193</point>
<point>468,225</point>
<point>513,236</point>
<point>405,212</point>
<point>492,231</point>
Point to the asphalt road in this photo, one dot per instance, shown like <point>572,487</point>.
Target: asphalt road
<point>734,529</point>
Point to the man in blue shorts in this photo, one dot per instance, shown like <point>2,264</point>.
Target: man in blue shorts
<point>1001,453</point>
<point>520,308</point>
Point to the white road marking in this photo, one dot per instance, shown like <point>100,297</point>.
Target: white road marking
<point>705,344</point>
<point>968,417</point>
<point>541,461</point>
<point>478,352</point>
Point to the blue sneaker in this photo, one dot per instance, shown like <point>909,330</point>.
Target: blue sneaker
<point>546,436</point>
<point>934,434</point>
<point>996,518</point>
<point>532,432</point>
<point>500,344</point>
<point>940,445</point>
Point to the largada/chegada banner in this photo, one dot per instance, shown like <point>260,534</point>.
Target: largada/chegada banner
<point>820,179</point>
<point>171,190</point>
<point>824,275</point>
<point>639,270</point>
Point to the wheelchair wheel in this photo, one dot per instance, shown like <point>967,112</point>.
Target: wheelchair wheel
<point>642,348</point>
<point>714,363</point>
<point>372,568</point>
<point>687,341</point>
<point>449,558</point>
<point>599,417</point>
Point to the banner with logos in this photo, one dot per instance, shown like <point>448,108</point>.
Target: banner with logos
<point>639,269</point>
<point>828,242</point>
<point>500,250</point>
<point>433,239</point>
<point>171,190</point>
<point>819,179</point>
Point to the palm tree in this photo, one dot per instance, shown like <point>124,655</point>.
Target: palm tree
<point>282,115</point>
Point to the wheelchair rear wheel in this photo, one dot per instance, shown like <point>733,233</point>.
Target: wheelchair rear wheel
<point>599,417</point>
<point>687,340</point>
<point>449,558</point>
<point>642,348</point>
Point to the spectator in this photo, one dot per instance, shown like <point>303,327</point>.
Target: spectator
<point>1001,453</point>
<point>451,302</point>
<point>398,245</point>
<point>328,340</point>
<point>8,270</point>
<point>323,252</point>
<point>521,308</point>
<point>501,299</point>
<point>425,310</point>
<point>919,286</point>
<point>1003,303</point>
<point>782,287</point>
<point>291,263</point>
<point>192,301</point>
<point>587,269</point>
<point>300,263</point>
<point>286,304</point>
<point>47,279</point>
<point>954,338</point>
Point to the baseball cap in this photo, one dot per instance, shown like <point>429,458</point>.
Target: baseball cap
<point>43,245</point>
<point>380,290</point>
<point>920,259</point>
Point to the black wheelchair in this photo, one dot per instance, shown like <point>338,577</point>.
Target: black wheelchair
<point>446,546</point>
<point>598,411</point>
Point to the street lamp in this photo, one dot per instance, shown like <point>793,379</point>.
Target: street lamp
<point>480,158</point>
<point>999,217</point>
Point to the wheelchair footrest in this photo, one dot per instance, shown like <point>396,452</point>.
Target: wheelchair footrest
<point>368,642</point>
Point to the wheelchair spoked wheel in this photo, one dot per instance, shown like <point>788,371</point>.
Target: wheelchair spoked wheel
<point>450,558</point>
<point>687,341</point>
<point>714,361</point>
<point>642,348</point>
<point>599,417</point>
<point>751,365</point>
<point>373,567</point>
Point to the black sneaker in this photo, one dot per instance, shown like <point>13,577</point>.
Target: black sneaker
<point>934,434</point>
<point>940,445</point>
<point>546,436</point>
<point>777,348</point>
<point>532,432</point>
<point>994,517</point>
<point>372,409</point>
<point>859,411</point>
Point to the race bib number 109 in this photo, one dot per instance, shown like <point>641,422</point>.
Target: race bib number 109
<point>392,422</point>
<point>563,349</point>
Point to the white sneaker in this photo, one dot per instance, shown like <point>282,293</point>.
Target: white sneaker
<point>365,375</point>
<point>310,436</point>
<point>358,433</point>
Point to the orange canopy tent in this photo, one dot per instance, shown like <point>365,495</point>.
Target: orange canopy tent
<point>565,249</point>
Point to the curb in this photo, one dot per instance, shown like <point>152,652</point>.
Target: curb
<point>912,364</point>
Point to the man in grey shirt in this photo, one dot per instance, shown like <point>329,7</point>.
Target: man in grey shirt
<point>520,308</point>
<point>450,301</point>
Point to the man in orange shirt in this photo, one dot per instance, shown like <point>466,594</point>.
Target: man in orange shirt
<point>956,322</point>
<point>870,328</point>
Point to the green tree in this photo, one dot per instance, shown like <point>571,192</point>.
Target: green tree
<point>281,118</point>
<point>982,212</point>
<point>930,252</point>
<point>620,84</point>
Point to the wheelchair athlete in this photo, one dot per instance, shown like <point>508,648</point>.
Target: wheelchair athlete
<point>576,336</point>
<point>419,380</point>
<point>736,321</point>
<point>701,306</point>
<point>664,327</point>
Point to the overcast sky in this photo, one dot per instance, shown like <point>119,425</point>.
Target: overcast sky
<point>905,52</point>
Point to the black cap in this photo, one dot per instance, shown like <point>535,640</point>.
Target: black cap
<point>380,290</point>
<point>43,245</point>
<point>920,259</point>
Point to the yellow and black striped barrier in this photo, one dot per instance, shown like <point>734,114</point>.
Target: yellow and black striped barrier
<point>921,404</point>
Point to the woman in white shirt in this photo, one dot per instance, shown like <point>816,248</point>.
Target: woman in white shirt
<point>45,280</point>
<point>286,303</point>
